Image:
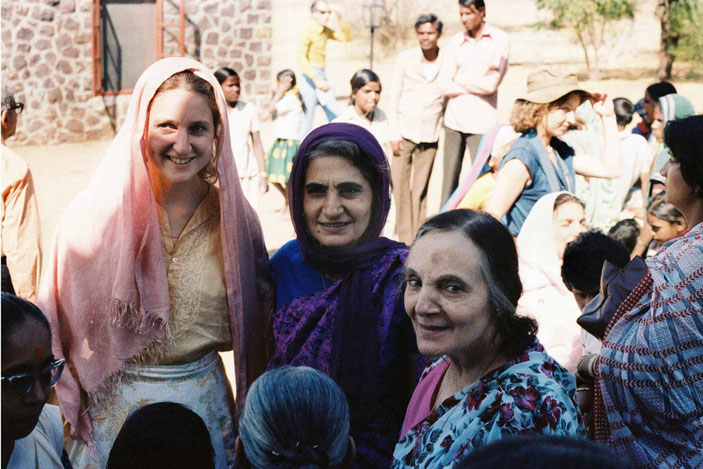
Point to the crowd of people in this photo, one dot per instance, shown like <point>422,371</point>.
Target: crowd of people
<point>549,316</point>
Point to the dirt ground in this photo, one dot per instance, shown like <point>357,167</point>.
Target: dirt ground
<point>60,171</point>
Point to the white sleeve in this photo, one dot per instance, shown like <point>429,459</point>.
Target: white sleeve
<point>254,113</point>
<point>288,103</point>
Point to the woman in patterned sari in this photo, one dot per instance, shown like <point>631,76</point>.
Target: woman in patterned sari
<point>493,378</point>
<point>339,304</point>
<point>649,399</point>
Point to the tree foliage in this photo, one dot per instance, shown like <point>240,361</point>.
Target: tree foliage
<point>590,21</point>
<point>686,18</point>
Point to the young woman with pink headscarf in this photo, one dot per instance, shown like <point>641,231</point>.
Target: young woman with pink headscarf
<point>155,267</point>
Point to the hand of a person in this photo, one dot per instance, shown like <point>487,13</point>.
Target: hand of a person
<point>395,146</point>
<point>646,235</point>
<point>602,105</point>
<point>284,84</point>
<point>321,84</point>
<point>263,184</point>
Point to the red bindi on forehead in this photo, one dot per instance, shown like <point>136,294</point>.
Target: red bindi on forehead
<point>38,352</point>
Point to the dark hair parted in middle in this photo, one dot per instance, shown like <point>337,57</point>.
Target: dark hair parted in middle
<point>659,208</point>
<point>499,267</point>
<point>429,18</point>
<point>223,73</point>
<point>684,137</point>
<point>15,311</point>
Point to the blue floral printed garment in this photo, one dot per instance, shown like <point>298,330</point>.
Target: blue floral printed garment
<point>530,394</point>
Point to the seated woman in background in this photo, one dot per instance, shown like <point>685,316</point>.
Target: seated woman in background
<point>295,417</point>
<point>156,266</point>
<point>555,221</point>
<point>540,162</point>
<point>664,223</point>
<point>649,365</point>
<point>339,305</point>
<point>32,430</point>
<point>493,378</point>
<point>164,434</point>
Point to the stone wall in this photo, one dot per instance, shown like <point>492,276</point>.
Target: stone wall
<point>47,61</point>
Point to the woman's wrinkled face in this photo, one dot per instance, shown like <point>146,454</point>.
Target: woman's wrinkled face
<point>28,350</point>
<point>180,135</point>
<point>232,88</point>
<point>366,98</point>
<point>560,118</point>
<point>658,124</point>
<point>568,223</point>
<point>337,202</point>
<point>446,296</point>
<point>663,230</point>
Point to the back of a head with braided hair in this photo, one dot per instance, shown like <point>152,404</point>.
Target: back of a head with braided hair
<point>295,417</point>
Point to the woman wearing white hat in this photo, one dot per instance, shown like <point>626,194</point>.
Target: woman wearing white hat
<point>539,162</point>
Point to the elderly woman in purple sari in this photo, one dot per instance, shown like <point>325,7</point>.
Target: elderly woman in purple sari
<point>339,302</point>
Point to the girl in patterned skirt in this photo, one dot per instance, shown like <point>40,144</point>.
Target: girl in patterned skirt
<point>287,108</point>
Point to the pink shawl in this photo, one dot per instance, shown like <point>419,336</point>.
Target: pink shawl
<point>105,289</point>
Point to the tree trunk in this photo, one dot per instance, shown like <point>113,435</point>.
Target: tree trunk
<point>666,57</point>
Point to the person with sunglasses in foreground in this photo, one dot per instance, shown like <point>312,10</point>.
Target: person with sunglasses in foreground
<point>32,431</point>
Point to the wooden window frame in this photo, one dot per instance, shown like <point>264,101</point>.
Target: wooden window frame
<point>161,26</point>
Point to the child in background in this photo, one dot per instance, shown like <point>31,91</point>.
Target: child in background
<point>246,140</point>
<point>664,223</point>
<point>287,109</point>
<point>363,107</point>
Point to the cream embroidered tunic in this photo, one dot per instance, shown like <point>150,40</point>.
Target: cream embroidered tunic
<point>199,319</point>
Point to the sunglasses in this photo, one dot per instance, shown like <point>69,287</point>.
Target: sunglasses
<point>19,107</point>
<point>21,384</point>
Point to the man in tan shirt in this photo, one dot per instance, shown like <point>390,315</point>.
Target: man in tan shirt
<point>415,123</point>
<point>20,240</point>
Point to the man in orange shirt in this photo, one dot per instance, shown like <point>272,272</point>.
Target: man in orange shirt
<point>21,235</point>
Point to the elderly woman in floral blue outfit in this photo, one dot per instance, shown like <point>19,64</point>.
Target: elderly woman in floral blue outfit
<point>493,378</point>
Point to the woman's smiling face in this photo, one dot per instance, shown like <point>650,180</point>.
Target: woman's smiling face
<point>180,135</point>
<point>337,202</point>
<point>447,298</point>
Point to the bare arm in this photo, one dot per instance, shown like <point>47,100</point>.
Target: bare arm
<point>610,166</point>
<point>510,182</point>
<point>394,114</point>
<point>260,161</point>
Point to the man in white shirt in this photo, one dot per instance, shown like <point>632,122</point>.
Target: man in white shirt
<point>415,120</point>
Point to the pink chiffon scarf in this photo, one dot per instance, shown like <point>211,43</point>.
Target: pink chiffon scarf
<point>105,289</point>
